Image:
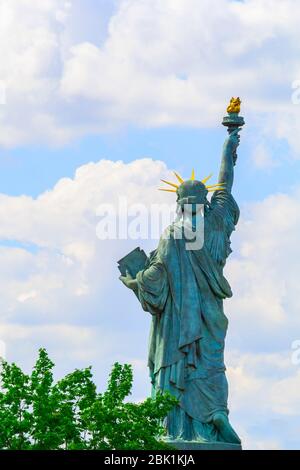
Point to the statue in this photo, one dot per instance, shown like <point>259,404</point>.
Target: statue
<point>183,289</point>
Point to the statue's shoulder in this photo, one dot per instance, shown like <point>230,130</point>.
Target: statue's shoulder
<point>224,206</point>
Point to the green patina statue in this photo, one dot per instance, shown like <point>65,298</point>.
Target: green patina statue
<point>183,289</point>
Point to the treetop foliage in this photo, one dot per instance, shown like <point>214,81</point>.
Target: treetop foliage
<point>36,413</point>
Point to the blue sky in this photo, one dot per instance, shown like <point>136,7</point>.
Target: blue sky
<point>33,169</point>
<point>103,98</point>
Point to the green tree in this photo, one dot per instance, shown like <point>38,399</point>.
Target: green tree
<point>36,413</point>
<point>15,401</point>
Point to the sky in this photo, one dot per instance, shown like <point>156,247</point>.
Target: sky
<point>99,99</point>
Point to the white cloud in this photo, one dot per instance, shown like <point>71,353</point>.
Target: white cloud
<point>150,70</point>
<point>262,157</point>
<point>151,61</point>
<point>264,270</point>
<point>27,296</point>
<point>56,257</point>
<point>59,285</point>
<point>264,322</point>
<point>264,399</point>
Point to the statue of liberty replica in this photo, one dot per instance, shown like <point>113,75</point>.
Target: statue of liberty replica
<point>182,286</point>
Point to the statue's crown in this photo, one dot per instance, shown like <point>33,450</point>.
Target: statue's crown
<point>191,186</point>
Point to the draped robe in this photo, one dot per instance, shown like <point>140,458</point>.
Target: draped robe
<point>183,290</point>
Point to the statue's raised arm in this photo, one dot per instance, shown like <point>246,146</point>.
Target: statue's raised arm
<point>234,123</point>
<point>228,160</point>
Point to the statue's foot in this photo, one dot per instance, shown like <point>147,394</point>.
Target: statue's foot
<point>225,429</point>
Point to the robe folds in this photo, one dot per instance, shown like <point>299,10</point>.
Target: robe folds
<point>183,290</point>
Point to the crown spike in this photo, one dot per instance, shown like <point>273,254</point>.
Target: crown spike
<point>215,189</point>
<point>209,188</point>
<point>171,184</point>
<point>181,180</point>
<point>206,179</point>
<point>214,185</point>
<point>168,190</point>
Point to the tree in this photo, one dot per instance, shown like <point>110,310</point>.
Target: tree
<point>36,413</point>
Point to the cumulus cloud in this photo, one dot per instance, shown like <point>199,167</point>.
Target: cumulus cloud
<point>264,271</point>
<point>59,284</point>
<point>55,252</point>
<point>263,339</point>
<point>30,68</point>
<point>150,69</point>
<point>264,399</point>
<point>262,157</point>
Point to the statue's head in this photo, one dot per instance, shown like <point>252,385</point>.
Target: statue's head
<point>191,191</point>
